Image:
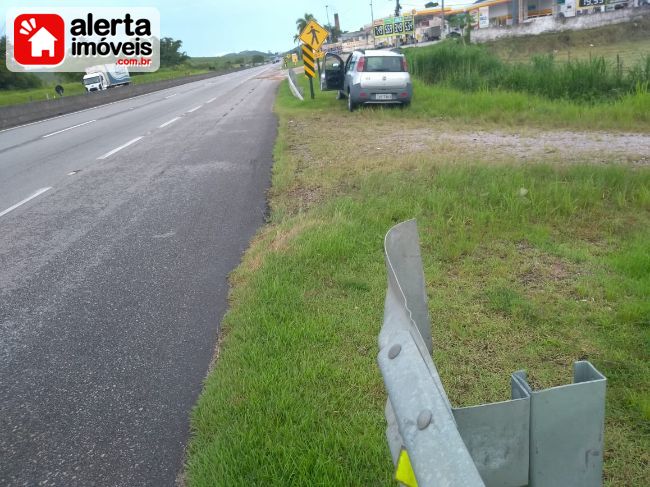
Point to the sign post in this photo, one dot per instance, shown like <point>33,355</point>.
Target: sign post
<point>313,36</point>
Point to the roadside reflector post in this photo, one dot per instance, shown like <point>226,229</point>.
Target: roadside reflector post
<point>540,438</point>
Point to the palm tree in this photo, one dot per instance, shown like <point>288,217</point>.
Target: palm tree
<point>301,23</point>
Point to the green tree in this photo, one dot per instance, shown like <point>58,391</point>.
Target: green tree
<point>170,53</point>
<point>458,20</point>
<point>301,23</point>
<point>14,81</point>
<point>258,59</point>
<point>335,33</point>
<point>463,22</point>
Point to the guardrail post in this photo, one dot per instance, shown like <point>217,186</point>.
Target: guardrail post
<point>541,438</point>
<point>566,430</point>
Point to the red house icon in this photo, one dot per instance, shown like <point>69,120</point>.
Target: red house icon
<point>39,39</point>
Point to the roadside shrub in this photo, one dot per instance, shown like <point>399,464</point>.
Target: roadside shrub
<point>472,67</point>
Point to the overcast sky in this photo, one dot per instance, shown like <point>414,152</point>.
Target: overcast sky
<point>216,27</point>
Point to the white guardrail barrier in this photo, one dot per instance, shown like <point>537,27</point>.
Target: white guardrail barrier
<point>552,437</point>
<point>293,84</point>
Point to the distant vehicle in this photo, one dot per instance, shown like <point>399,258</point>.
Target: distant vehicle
<point>431,34</point>
<point>105,76</point>
<point>454,33</point>
<point>368,77</point>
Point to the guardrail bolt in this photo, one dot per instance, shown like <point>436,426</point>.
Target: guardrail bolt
<point>424,419</point>
<point>394,351</point>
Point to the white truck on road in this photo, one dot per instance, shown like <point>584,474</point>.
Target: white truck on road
<point>105,76</point>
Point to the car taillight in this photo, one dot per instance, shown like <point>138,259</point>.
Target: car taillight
<point>405,67</point>
<point>361,64</point>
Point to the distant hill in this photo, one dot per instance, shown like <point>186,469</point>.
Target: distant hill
<point>247,54</point>
<point>230,58</point>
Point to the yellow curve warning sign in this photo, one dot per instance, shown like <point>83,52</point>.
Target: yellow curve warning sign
<point>404,471</point>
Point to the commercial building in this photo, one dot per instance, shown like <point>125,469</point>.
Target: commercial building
<point>492,14</point>
<point>501,13</point>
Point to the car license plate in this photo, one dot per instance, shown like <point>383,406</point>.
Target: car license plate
<point>384,97</point>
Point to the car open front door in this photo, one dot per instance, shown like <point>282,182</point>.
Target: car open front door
<point>333,67</point>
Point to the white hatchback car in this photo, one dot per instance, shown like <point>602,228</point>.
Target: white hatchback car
<point>369,76</point>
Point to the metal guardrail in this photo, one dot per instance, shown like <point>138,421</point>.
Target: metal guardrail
<point>552,437</point>
<point>293,84</point>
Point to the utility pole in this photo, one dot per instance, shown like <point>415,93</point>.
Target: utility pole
<point>328,40</point>
<point>398,8</point>
<point>372,26</point>
<point>442,28</point>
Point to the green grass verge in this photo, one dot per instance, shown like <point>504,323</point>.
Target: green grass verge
<point>15,97</point>
<point>496,108</point>
<point>535,281</point>
<point>503,108</point>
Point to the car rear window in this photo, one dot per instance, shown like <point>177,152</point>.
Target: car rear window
<point>391,64</point>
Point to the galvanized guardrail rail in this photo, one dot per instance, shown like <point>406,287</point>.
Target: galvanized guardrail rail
<point>293,84</point>
<point>552,437</point>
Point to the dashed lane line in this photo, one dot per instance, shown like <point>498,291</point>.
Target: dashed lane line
<point>168,122</point>
<point>69,128</point>
<point>110,153</point>
<point>29,198</point>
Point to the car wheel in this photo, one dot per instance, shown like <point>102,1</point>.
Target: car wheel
<point>351,104</point>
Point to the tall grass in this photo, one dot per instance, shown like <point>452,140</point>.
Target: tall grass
<point>473,68</point>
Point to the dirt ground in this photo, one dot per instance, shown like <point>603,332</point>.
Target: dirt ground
<point>525,145</point>
<point>600,147</point>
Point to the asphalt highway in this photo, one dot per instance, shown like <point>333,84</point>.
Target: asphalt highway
<point>118,228</point>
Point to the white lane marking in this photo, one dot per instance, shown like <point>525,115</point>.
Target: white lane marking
<point>38,193</point>
<point>168,122</point>
<point>194,109</point>
<point>171,96</point>
<point>69,128</point>
<point>211,100</point>
<point>109,154</point>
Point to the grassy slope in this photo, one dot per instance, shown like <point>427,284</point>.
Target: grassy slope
<point>630,40</point>
<point>632,113</point>
<point>13,97</point>
<point>533,282</point>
